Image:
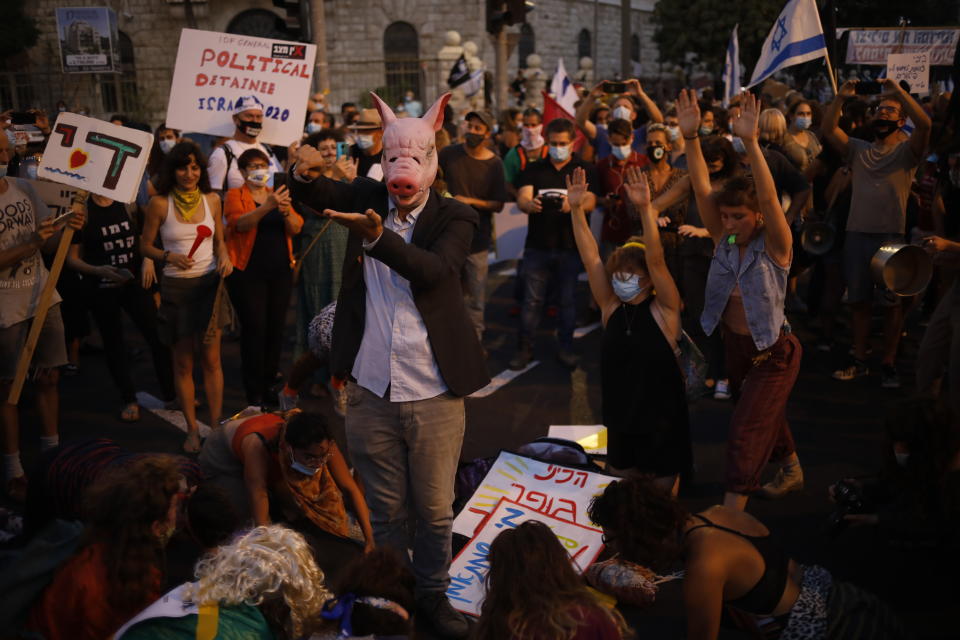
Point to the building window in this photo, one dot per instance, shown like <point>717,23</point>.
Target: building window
<point>260,23</point>
<point>635,48</point>
<point>526,45</point>
<point>401,58</point>
<point>584,47</point>
<point>119,90</point>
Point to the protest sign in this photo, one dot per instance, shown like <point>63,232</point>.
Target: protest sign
<point>558,491</point>
<point>96,156</point>
<point>914,68</point>
<point>592,437</point>
<point>214,69</point>
<point>56,196</point>
<point>89,40</point>
<point>470,567</point>
<point>873,46</point>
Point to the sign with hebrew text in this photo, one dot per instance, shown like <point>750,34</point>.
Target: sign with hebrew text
<point>469,569</point>
<point>96,156</point>
<point>912,68</point>
<point>553,489</point>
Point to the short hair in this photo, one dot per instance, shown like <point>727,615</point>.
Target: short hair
<point>306,428</point>
<point>892,98</point>
<point>247,157</point>
<point>347,105</point>
<point>620,127</point>
<point>772,125</point>
<point>533,111</point>
<point>627,258</point>
<point>324,134</point>
<point>211,517</point>
<point>560,125</point>
<point>739,191</point>
<point>179,157</point>
<point>658,126</point>
<point>719,148</point>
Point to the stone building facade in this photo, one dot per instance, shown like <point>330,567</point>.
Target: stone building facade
<point>389,45</point>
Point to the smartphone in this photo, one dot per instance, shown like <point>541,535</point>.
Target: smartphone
<point>343,149</point>
<point>23,117</point>
<point>279,180</point>
<point>867,88</point>
<point>64,218</point>
<point>614,87</point>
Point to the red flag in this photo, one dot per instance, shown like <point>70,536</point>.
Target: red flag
<point>552,110</point>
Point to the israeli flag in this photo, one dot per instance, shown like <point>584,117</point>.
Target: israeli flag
<point>796,37</point>
<point>731,69</point>
<point>562,88</point>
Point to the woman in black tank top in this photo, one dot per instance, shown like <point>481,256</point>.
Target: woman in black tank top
<point>642,387</point>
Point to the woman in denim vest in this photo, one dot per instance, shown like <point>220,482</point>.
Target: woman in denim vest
<point>746,287</point>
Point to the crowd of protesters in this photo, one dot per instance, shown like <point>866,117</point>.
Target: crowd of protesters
<point>691,221</point>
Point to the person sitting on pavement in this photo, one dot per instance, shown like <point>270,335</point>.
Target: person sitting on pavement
<point>289,469</point>
<point>118,570</point>
<point>732,560</point>
<point>264,585</point>
<point>533,591</point>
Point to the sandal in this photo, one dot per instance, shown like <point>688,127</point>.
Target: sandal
<point>130,413</point>
<point>193,443</point>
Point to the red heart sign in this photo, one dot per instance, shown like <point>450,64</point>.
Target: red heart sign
<point>78,158</point>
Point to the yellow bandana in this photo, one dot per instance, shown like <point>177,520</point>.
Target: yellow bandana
<point>186,202</point>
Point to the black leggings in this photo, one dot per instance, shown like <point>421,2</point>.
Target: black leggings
<point>106,305</point>
<point>261,302</point>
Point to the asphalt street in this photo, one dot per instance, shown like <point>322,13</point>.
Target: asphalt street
<point>837,426</point>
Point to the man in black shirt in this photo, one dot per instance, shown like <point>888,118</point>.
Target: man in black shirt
<point>550,248</point>
<point>474,176</point>
<point>369,147</point>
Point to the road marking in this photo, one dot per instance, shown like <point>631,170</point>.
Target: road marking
<point>502,379</point>
<point>155,406</point>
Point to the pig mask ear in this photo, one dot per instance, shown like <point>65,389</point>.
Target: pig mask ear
<point>434,115</point>
<point>387,116</point>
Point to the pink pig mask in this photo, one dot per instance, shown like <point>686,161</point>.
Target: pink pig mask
<point>409,158</point>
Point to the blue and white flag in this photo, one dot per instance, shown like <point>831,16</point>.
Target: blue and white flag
<point>731,69</point>
<point>562,88</point>
<point>796,37</point>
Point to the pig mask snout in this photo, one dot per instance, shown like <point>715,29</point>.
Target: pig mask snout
<point>403,187</point>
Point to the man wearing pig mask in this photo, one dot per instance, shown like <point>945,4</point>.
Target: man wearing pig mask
<point>403,339</point>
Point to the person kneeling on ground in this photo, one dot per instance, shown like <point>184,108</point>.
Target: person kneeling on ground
<point>291,468</point>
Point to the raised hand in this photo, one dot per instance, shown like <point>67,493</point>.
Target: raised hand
<point>637,188</point>
<point>308,157</point>
<point>346,168</point>
<point>368,224</point>
<point>745,125</point>
<point>634,87</point>
<point>280,198</point>
<point>688,113</point>
<point>577,188</point>
<point>848,89</point>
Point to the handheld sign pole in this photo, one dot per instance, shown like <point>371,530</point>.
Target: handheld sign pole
<point>43,305</point>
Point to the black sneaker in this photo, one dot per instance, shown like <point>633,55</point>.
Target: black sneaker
<point>520,361</point>
<point>889,379</point>
<point>445,620</point>
<point>856,369</point>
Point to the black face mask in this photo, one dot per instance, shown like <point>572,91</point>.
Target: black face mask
<point>883,128</point>
<point>473,140</point>
<point>250,127</point>
<point>656,153</point>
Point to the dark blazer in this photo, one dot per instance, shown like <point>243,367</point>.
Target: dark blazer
<point>432,262</point>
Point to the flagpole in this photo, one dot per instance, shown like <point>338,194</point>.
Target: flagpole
<point>833,78</point>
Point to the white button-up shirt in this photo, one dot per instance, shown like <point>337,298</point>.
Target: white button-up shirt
<point>395,350</point>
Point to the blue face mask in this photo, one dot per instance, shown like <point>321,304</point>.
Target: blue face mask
<point>802,122</point>
<point>621,153</point>
<point>299,467</point>
<point>559,154</point>
<point>705,131</point>
<point>627,288</point>
<point>313,127</point>
<point>738,146</point>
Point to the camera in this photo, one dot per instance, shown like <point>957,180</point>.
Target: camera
<point>551,202</point>
<point>848,496</point>
<point>612,88</point>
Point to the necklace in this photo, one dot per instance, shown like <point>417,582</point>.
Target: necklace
<point>185,202</point>
<point>628,318</point>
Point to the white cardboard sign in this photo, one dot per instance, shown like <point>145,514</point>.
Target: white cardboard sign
<point>57,196</point>
<point>470,567</point>
<point>96,156</point>
<point>214,69</point>
<point>553,489</point>
<point>912,67</point>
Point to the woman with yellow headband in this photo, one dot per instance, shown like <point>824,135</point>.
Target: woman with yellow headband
<point>746,288</point>
<point>642,387</point>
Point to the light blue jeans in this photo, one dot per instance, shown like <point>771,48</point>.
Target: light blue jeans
<point>407,455</point>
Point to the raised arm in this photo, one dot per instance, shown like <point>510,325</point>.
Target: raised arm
<point>635,88</point>
<point>668,297</point>
<point>831,130</point>
<point>688,114</point>
<point>600,285</point>
<point>921,121</point>
<point>777,230</point>
<point>583,111</point>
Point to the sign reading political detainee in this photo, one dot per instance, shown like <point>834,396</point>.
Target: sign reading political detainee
<point>96,156</point>
<point>469,569</point>
<point>553,489</point>
<point>214,69</point>
<point>88,39</point>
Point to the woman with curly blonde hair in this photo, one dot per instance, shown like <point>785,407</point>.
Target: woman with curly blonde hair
<point>265,584</point>
<point>533,591</point>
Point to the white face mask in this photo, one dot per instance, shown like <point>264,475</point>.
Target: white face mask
<point>622,153</point>
<point>167,144</point>
<point>313,127</point>
<point>674,133</point>
<point>627,286</point>
<point>623,113</point>
<point>530,138</point>
<point>364,141</point>
<point>259,177</point>
<point>559,154</point>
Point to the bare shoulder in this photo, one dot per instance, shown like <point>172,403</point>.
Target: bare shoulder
<point>736,520</point>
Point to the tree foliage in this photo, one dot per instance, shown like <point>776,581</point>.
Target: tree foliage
<point>18,31</point>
